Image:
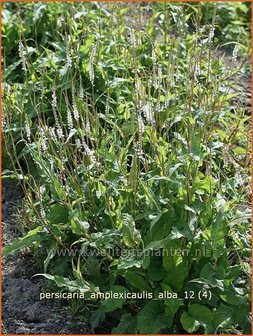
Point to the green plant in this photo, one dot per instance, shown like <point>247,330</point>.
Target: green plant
<point>134,165</point>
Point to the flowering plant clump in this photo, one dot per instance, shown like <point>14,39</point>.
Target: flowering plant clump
<point>123,126</point>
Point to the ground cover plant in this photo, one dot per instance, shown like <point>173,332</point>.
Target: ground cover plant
<point>119,124</point>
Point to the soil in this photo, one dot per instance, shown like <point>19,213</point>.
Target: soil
<point>22,310</point>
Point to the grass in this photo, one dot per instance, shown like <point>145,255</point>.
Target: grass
<point>117,121</point>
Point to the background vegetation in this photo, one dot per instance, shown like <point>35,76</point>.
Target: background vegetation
<point>117,121</point>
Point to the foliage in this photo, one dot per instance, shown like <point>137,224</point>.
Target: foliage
<point>127,147</point>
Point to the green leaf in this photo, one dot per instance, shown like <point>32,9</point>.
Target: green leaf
<point>223,317</point>
<point>150,195</point>
<point>58,214</point>
<point>78,222</point>
<point>172,304</point>
<point>133,175</point>
<point>175,265</point>
<point>208,184</point>
<point>33,237</point>
<point>131,235</point>
<point>201,313</point>
<point>79,285</point>
<point>97,316</point>
<point>161,225</point>
<point>92,266</point>
<point>127,325</point>
<point>195,146</point>
<point>137,281</point>
<point>50,254</point>
<point>129,262</point>
<point>189,323</point>
<point>114,303</point>
<point>155,270</point>
<point>197,315</point>
<point>213,276</point>
<point>242,316</point>
<point>234,295</point>
<point>57,188</point>
<point>152,319</point>
<point>218,230</point>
